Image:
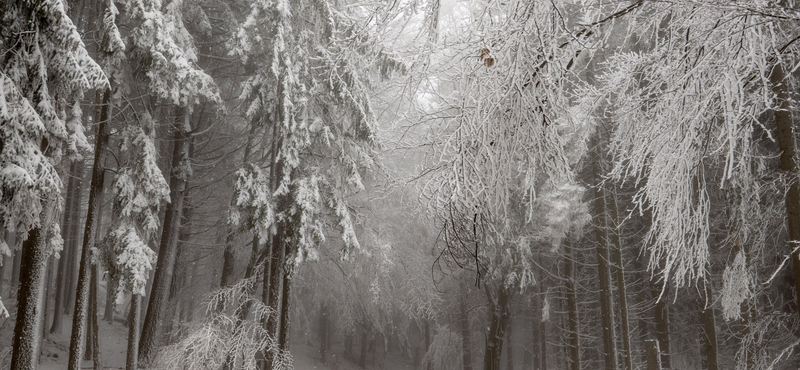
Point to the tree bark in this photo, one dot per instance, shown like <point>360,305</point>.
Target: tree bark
<point>13,287</point>
<point>788,164</point>
<point>572,308</point>
<point>179,269</point>
<point>652,354</point>
<point>708,320</point>
<point>81,311</point>
<point>58,309</point>
<point>604,278</point>
<point>95,344</point>
<point>499,311</point>
<point>285,312</point>
<point>275,271</point>
<point>33,261</point>
<point>131,360</point>
<point>661,315</point>
<point>168,247</point>
<point>621,286</point>
<point>74,242</point>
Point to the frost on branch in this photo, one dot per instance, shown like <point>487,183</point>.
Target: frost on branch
<point>737,286</point>
<point>253,205</point>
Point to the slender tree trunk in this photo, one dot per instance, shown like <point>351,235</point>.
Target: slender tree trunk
<point>168,248</point>
<point>95,344</point>
<point>274,298</point>
<point>74,242</point>
<point>604,278</point>
<point>242,311</point>
<point>466,347</point>
<point>708,320</point>
<point>283,337</point>
<point>45,302</point>
<point>132,359</point>
<point>72,187</point>
<point>498,324</point>
<point>661,315</point>
<point>81,311</point>
<point>652,353</point>
<point>179,269</point>
<point>788,163</point>
<point>572,308</point>
<point>542,326</point>
<point>33,261</point>
<point>111,292</point>
<point>621,286</point>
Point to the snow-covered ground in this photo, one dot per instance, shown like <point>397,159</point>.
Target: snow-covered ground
<point>113,342</point>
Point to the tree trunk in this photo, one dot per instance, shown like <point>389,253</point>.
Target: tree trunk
<point>661,315</point>
<point>72,187</point>
<point>33,261</point>
<point>111,293</point>
<point>76,347</point>
<point>499,312</point>
<point>242,311</point>
<point>652,354</point>
<point>131,360</point>
<point>604,278</point>
<point>275,271</point>
<point>179,270</point>
<point>572,308</point>
<point>168,247</point>
<point>95,344</point>
<point>466,347</point>
<point>788,163</point>
<point>708,321</point>
<point>621,286</point>
<point>74,242</point>
<point>285,312</point>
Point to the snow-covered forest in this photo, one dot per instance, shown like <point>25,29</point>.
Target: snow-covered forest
<point>399,185</point>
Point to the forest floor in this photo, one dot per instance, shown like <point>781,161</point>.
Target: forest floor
<point>113,346</point>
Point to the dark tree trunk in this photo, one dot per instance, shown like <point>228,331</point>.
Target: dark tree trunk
<point>76,347</point>
<point>621,286</point>
<point>466,346</point>
<point>95,345</point>
<point>275,270</point>
<point>499,311</point>
<point>604,278</point>
<point>572,308</point>
<point>285,312</point>
<point>708,320</point>
<point>72,194</point>
<point>111,293</point>
<point>33,261</point>
<point>132,358</point>
<point>168,247</point>
<point>75,241</point>
<point>788,163</point>
<point>179,271</point>
<point>652,354</point>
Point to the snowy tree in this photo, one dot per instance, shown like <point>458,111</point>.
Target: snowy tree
<point>45,61</point>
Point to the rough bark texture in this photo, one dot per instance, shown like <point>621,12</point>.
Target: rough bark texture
<point>131,360</point>
<point>168,247</point>
<point>788,164</point>
<point>179,271</point>
<point>285,312</point>
<point>499,311</point>
<point>708,320</point>
<point>621,286</point>
<point>95,344</point>
<point>76,347</point>
<point>574,359</point>
<point>275,271</point>
<point>33,261</point>
<point>604,278</point>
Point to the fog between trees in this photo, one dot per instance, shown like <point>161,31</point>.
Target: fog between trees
<point>438,185</point>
